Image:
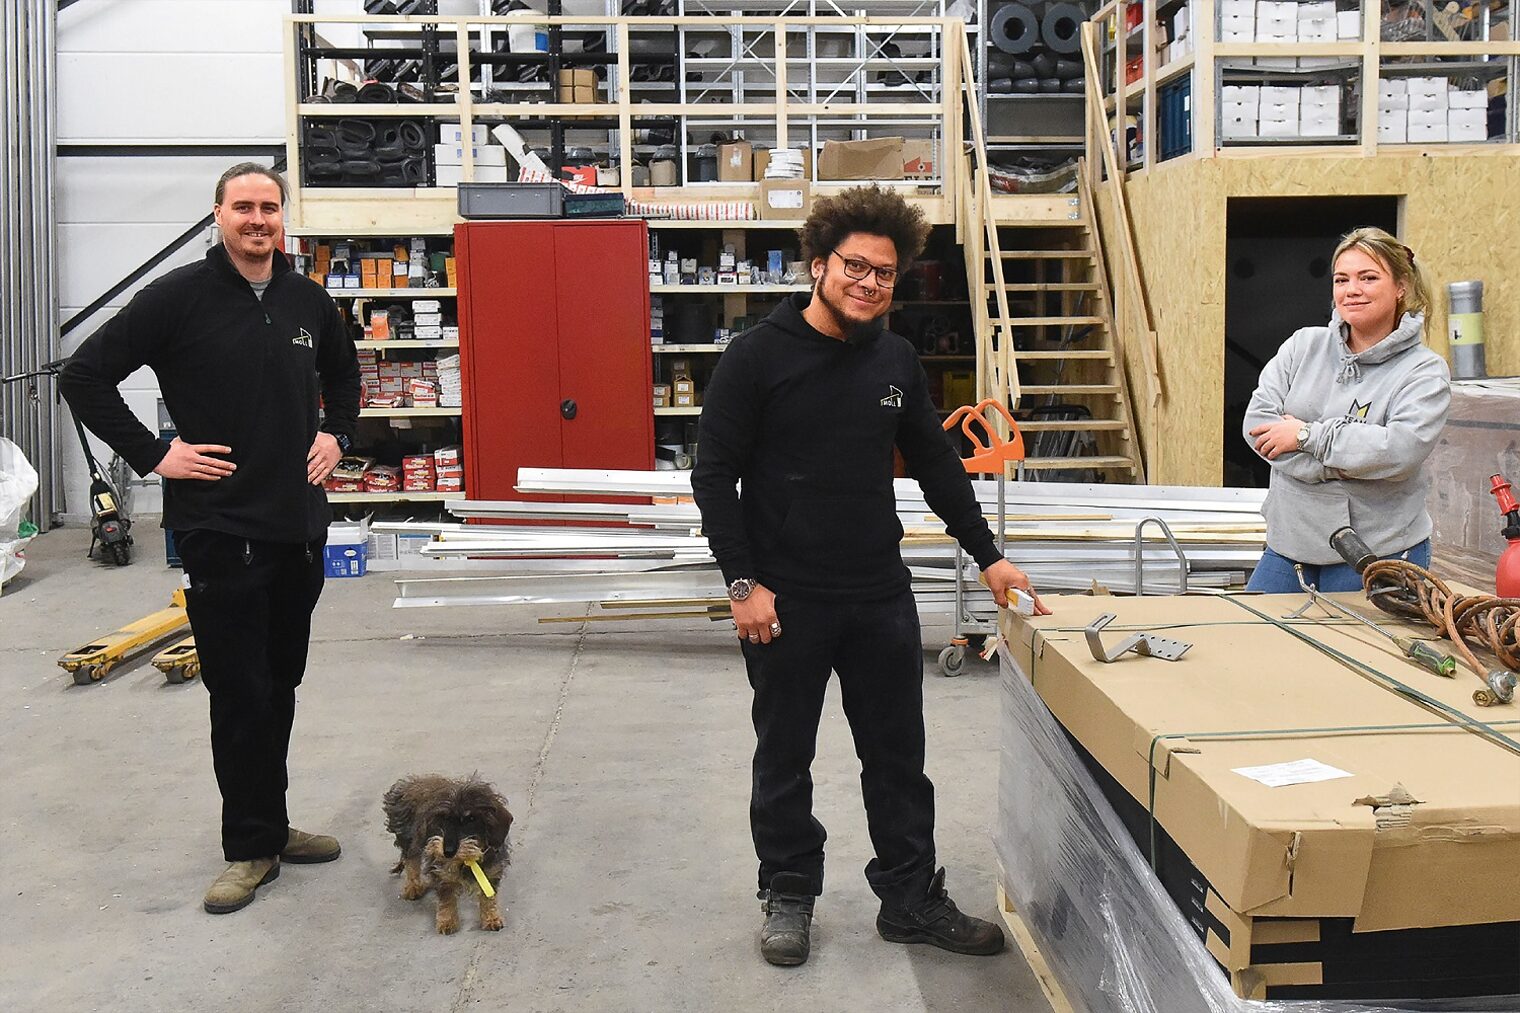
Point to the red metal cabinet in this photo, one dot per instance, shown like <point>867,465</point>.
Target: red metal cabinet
<point>554,349</point>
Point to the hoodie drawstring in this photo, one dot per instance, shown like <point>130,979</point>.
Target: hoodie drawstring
<point>1350,371</point>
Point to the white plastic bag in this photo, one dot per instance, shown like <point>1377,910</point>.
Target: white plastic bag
<point>18,481</point>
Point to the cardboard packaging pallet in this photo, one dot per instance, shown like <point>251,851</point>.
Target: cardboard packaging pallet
<point>1159,875</point>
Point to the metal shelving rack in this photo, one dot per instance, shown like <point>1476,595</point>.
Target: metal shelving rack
<point>1050,122</point>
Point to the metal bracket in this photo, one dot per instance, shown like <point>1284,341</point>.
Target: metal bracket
<point>1147,644</point>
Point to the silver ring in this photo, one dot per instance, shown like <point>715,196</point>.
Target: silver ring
<point>775,629</point>
<point>754,638</point>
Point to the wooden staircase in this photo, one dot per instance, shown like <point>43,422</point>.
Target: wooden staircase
<point>1043,308</point>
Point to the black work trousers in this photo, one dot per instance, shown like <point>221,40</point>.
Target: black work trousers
<point>877,649</point>
<point>250,605</point>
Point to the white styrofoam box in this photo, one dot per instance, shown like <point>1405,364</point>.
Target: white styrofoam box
<point>484,154</point>
<point>1239,111</point>
<point>1316,9</point>
<point>1348,24</point>
<point>1316,62</point>
<point>1243,127</point>
<point>453,133</point>
<point>1181,22</point>
<point>1427,117</point>
<point>1393,103</point>
<point>1467,125</point>
<point>1317,30</point>
<point>1428,85</point>
<point>1319,124</point>
<point>1237,25</point>
<point>1428,103</point>
<point>1393,86</point>
<point>1242,94</point>
<point>1277,127</point>
<point>1278,62</point>
<point>1276,26</point>
<point>1278,111</point>
<point>1279,95</point>
<point>1320,94</point>
<point>1434,134</point>
<point>1463,99</point>
<point>1237,8</point>
<point>1277,9</point>
<point>1393,130</point>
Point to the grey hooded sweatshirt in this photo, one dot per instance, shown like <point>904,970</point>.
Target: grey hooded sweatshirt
<point>1373,419</point>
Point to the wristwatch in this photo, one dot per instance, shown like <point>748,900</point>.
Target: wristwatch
<point>344,443</point>
<point>1303,436</point>
<point>741,588</point>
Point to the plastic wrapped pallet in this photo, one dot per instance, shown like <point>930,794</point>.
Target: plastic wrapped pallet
<point>1481,438</point>
<point>1113,937</point>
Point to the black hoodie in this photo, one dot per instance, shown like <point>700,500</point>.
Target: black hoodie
<point>808,423</point>
<point>233,370</point>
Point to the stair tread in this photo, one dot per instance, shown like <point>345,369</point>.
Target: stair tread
<point>1063,353</point>
<point>1071,425</point>
<point>1068,388</point>
<point>1083,254</point>
<point>1061,463</point>
<point>1052,321</point>
<point>1051,286</point>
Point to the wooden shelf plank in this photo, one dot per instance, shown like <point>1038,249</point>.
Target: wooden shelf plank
<point>393,293</point>
<point>406,413</point>
<point>383,345</point>
<point>391,497</point>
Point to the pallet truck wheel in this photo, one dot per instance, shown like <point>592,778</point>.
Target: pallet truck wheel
<point>952,660</point>
<point>176,674</point>
<point>82,676</point>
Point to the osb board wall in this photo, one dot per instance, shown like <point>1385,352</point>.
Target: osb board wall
<point>1458,213</point>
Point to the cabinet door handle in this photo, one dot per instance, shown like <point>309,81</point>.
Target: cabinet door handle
<point>568,408</point>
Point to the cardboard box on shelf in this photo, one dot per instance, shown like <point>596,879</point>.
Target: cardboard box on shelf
<point>684,400</point>
<point>662,395</point>
<point>484,154</point>
<point>1277,127</point>
<point>1466,125</point>
<point>1436,133</point>
<point>920,158</point>
<point>1393,128</point>
<point>872,158</point>
<point>453,133</point>
<point>785,199</point>
<point>1459,98</point>
<point>1348,25</point>
<point>1243,126</point>
<point>736,162</point>
<point>577,78</point>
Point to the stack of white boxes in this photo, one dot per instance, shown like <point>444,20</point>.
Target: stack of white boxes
<point>1319,110</point>
<point>1285,21</point>
<point>1237,20</point>
<point>1279,111</point>
<point>1427,110</point>
<point>1277,21</point>
<point>448,155</point>
<point>1180,33</point>
<point>1240,110</point>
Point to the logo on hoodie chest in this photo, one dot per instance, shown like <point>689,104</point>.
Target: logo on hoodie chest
<point>1359,410</point>
<point>303,339</point>
<point>894,398</point>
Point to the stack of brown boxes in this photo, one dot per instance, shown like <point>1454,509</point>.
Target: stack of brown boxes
<point>577,86</point>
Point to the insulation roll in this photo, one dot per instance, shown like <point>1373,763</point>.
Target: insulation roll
<point>1076,85</point>
<point>1044,66</point>
<point>1000,86</point>
<point>1050,84</point>
<point>1022,68</point>
<point>1066,70</point>
<point>1061,27</point>
<point>1014,28</point>
<point>1026,85</point>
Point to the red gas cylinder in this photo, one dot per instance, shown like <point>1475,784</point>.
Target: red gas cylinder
<point>1507,577</point>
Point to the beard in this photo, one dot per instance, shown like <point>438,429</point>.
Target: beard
<point>849,326</point>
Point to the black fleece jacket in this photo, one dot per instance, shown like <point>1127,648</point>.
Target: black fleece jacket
<point>233,370</point>
<point>807,423</point>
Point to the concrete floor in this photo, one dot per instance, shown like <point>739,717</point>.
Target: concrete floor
<point>624,751</point>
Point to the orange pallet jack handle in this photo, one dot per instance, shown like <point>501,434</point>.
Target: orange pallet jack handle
<point>990,451</point>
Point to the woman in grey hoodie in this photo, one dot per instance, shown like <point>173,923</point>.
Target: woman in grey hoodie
<point>1346,415</point>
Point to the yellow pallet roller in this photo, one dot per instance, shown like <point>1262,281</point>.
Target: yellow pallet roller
<point>91,662</point>
<point>178,662</point>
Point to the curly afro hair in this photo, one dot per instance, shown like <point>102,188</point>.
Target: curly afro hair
<point>869,209</point>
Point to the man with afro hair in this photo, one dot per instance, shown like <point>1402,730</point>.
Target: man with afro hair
<point>804,410</point>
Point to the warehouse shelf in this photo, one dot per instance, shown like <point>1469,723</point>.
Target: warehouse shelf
<point>683,349</point>
<point>750,223</point>
<point>727,289</point>
<point>392,497</point>
<point>405,413</point>
<point>382,345</point>
<point>679,411</point>
<point>393,293</point>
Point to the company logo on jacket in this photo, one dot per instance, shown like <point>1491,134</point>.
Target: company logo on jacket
<point>893,399</point>
<point>304,338</point>
<point>1358,412</point>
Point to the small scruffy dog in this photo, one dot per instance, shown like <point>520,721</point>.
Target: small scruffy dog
<point>442,825</point>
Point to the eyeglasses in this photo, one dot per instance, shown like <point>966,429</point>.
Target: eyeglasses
<point>859,270</point>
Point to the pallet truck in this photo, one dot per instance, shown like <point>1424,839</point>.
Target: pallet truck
<point>179,662</point>
<point>94,660</point>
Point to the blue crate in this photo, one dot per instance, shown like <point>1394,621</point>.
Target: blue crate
<point>346,560</point>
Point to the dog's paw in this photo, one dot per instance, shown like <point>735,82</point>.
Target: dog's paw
<point>412,891</point>
<point>447,926</point>
<point>491,922</point>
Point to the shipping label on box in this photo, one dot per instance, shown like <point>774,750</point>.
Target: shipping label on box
<point>786,199</point>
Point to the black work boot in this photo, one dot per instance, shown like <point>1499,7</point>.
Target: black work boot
<point>788,906</point>
<point>935,919</point>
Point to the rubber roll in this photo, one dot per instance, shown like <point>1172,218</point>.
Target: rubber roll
<point>1026,85</point>
<point>1075,85</point>
<point>1000,86</point>
<point>375,91</point>
<point>1044,65</point>
<point>1050,84</point>
<point>1061,28</point>
<point>1068,70</point>
<point>1014,28</point>
<point>413,136</point>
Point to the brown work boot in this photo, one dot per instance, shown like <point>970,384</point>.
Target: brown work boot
<point>235,887</point>
<point>302,848</point>
<point>934,919</point>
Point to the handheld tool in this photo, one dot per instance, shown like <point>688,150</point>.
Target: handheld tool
<point>1507,575</point>
<point>1418,651</point>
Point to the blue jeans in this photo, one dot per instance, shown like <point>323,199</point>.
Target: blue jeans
<point>1274,573</point>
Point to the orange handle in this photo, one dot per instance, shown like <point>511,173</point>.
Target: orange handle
<point>993,452</point>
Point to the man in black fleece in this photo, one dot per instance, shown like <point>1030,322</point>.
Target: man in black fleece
<point>805,409</point>
<point>242,346</point>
